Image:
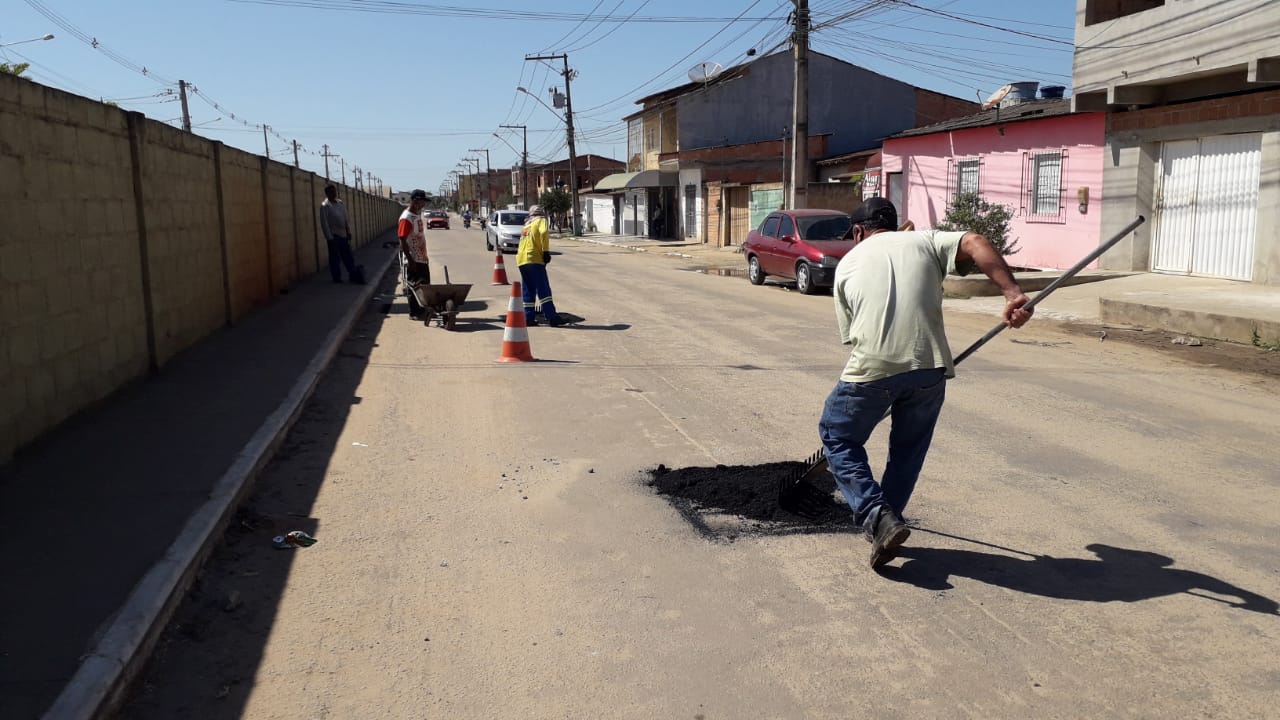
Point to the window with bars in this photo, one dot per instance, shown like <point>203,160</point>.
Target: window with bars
<point>967,176</point>
<point>1043,197</point>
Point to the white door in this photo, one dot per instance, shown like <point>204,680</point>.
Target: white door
<point>1207,208</point>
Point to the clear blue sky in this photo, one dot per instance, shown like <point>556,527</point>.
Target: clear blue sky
<point>404,95</point>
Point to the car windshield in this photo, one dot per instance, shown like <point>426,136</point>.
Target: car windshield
<point>823,227</point>
<point>512,218</point>
<point>437,213</point>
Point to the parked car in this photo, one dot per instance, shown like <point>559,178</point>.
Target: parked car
<point>800,245</point>
<point>503,230</point>
<point>437,219</point>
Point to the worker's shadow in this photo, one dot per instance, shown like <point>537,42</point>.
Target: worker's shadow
<point>1117,575</point>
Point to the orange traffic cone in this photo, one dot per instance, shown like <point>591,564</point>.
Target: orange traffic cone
<point>515,337</point>
<point>499,271</point>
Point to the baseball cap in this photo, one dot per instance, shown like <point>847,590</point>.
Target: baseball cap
<point>418,195</point>
<point>877,211</point>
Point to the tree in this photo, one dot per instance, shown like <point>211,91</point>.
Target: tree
<point>556,202</point>
<point>13,68</point>
<point>968,212</point>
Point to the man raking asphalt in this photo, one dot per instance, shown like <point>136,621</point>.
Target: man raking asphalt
<point>888,303</point>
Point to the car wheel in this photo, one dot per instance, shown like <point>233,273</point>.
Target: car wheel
<point>754,272</point>
<point>804,279</point>
<point>488,245</point>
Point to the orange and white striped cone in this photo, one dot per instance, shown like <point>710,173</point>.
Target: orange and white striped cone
<point>515,337</point>
<point>499,271</point>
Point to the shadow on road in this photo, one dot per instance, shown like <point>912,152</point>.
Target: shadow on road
<point>1116,575</point>
<point>724,503</point>
<point>206,661</point>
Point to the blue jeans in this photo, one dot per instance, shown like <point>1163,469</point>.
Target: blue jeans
<point>340,252</point>
<point>536,287</point>
<point>913,399</point>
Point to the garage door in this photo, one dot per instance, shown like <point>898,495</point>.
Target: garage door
<point>1207,206</point>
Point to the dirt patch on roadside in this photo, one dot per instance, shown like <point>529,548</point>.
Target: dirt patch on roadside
<point>725,502</point>
<point>1212,353</point>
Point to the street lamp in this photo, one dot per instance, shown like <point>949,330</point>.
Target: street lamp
<point>535,97</point>
<point>48,36</point>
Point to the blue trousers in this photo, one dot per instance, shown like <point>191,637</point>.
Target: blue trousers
<point>913,400</point>
<point>537,290</point>
<point>340,252</point>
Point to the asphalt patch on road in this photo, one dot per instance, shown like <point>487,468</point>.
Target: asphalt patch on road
<point>726,502</point>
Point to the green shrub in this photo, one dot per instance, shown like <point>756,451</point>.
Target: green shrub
<point>968,212</point>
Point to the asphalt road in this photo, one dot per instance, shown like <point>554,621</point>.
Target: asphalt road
<point>1096,527</point>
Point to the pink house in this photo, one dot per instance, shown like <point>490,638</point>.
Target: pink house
<point>1036,156</point>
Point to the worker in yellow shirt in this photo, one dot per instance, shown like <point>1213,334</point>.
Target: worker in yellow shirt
<point>532,257</point>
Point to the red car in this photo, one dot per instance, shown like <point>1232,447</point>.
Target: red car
<point>800,245</point>
<point>438,219</point>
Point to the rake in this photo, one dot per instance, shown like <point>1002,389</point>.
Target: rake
<point>790,486</point>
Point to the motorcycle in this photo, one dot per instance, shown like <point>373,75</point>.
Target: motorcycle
<point>466,222</point>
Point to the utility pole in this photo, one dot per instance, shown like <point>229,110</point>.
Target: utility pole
<point>800,110</point>
<point>295,154</point>
<point>343,163</point>
<point>785,196</point>
<point>568,121</point>
<point>326,155</point>
<point>524,162</point>
<point>487,170</point>
<point>266,149</point>
<point>475,192</point>
<point>186,114</point>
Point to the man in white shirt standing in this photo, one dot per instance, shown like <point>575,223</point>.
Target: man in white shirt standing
<point>888,298</point>
<point>336,227</point>
<point>415,265</point>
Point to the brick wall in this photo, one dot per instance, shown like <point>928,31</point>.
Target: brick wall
<point>1265,103</point>
<point>932,107</point>
<point>749,163</point>
<point>116,255</point>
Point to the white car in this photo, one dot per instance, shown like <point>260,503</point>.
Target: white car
<point>503,230</point>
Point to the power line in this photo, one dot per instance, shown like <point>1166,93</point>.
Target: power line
<point>392,7</point>
<point>93,42</point>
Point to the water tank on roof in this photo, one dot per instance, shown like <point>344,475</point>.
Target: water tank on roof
<point>1052,92</point>
<point>1020,92</point>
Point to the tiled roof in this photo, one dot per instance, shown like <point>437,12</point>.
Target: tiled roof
<point>1029,110</point>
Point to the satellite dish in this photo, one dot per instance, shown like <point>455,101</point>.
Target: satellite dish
<point>996,97</point>
<point>705,71</point>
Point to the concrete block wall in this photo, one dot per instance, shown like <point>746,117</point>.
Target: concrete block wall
<point>244,207</point>
<point>72,318</point>
<point>183,241</point>
<point>280,218</point>
<point>126,241</point>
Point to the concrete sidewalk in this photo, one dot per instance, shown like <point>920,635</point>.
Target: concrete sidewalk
<point>1202,307</point>
<point>90,512</point>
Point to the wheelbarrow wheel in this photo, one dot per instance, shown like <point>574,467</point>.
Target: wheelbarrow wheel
<point>450,314</point>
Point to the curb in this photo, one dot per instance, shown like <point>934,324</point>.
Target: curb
<point>99,685</point>
<point>634,248</point>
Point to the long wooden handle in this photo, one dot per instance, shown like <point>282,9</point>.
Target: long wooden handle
<point>1072,272</point>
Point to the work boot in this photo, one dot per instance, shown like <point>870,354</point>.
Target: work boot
<point>889,532</point>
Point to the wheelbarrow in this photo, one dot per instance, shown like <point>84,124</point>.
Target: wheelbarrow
<point>439,302</point>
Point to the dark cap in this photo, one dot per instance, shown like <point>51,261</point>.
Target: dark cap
<point>876,211</point>
<point>418,195</point>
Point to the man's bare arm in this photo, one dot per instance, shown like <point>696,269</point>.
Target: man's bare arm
<point>977,249</point>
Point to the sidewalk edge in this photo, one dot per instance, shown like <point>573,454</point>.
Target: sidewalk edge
<point>99,685</point>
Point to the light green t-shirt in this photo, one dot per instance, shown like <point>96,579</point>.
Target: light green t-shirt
<point>888,297</point>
